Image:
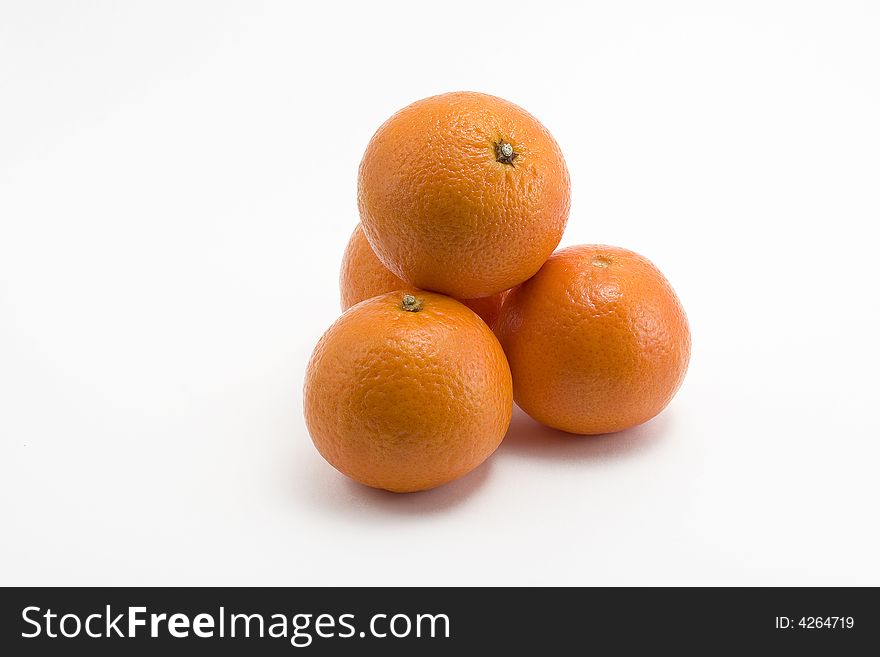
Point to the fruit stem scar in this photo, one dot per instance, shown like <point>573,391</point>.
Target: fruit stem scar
<point>411,304</point>
<point>504,153</point>
<point>600,261</point>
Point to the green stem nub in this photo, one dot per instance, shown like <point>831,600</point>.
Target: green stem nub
<point>504,153</point>
<point>411,304</point>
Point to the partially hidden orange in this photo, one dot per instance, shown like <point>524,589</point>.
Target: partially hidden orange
<point>363,276</point>
<point>597,340</point>
<point>407,392</point>
<point>463,193</point>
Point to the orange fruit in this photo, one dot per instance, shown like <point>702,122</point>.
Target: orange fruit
<point>407,392</point>
<point>463,193</point>
<point>597,340</point>
<point>363,276</point>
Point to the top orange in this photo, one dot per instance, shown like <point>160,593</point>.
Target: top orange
<point>463,193</point>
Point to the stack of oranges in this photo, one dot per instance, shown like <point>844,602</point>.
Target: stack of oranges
<point>455,304</point>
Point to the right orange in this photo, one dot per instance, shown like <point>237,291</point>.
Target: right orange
<point>597,340</point>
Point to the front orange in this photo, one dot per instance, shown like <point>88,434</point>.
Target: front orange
<point>407,392</point>
<point>597,340</point>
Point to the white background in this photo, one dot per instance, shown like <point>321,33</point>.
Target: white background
<point>177,184</point>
